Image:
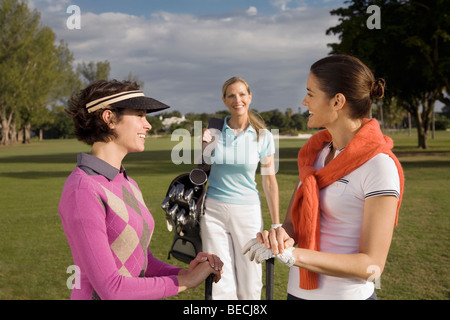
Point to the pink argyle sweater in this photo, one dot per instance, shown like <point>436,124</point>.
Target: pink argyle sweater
<point>109,227</point>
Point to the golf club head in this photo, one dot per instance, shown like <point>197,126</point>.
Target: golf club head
<point>165,204</point>
<point>179,191</point>
<point>171,217</point>
<point>180,221</point>
<point>189,221</point>
<point>192,208</point>
<point>181,218</point>
<point>188,195</point>
<point>169,223</point>
<point>172,193</point>
<point>173,211</point>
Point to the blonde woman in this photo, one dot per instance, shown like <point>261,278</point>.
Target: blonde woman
<point>233,207</point>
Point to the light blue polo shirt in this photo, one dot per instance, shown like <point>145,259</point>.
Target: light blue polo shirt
<point>234,163</point>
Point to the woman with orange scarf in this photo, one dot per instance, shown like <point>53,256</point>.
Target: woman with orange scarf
<point>342,213</point>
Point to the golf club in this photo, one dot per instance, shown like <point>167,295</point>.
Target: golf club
<point>270,266</point>
<point>188,195</point>
<point>179,191</point>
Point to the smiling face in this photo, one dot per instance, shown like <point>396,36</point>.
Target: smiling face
<point>131,131</point>
<point>237,98</point>
<point>320,106</point>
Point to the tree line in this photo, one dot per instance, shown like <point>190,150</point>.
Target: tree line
<point>410,49</point>
<point>37,76</point>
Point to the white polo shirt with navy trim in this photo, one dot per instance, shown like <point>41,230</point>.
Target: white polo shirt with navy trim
<point>341,214</point>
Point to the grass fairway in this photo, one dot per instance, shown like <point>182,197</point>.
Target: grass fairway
<point>34,254</point>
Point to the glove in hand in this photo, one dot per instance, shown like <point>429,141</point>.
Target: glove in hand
<point>258,252</point>
<point>286,257</point>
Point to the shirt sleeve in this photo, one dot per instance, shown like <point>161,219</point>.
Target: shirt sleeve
<point>157,267</point>
<point>382,179</point>
<point>266,144</point>
<point>83,218</point>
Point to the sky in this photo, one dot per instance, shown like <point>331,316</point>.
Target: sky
<point>184,50</point>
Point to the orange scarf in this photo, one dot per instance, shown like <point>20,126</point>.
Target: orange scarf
<point>368,142</point>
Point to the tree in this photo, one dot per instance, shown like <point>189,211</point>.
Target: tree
<point>156,124</point>
<point>276,119</point>
<point>299,122</point>
<point>34,71</point>
<point>41,77</point>
<point>94,71</point>
<point>18,27</point>
<point>58,124</point>
<point>133,78</point>
<point>411,51</point>
<point>67,82</point>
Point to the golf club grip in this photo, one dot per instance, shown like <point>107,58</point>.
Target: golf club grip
<point>208,287</point>
<point>270,265</point>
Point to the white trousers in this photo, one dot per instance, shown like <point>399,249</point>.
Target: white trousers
<point>225,229</point>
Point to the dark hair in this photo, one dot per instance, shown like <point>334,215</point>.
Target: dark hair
<point>90,127</point>
<point>349,76</point>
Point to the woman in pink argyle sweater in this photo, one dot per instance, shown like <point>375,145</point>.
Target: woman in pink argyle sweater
<point>107,224</point>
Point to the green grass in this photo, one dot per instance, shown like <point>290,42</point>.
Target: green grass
<point>34,253</point>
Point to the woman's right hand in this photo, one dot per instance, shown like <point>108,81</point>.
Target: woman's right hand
<point>214,261</point>
<point>196,276</point>
<point>276,239</point>
<point>206,137</point>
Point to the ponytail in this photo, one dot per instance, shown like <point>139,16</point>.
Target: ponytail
<point>377,90</point>
<point>257,123</point>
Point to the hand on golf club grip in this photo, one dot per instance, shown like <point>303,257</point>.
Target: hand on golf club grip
<point>258,252</point>
<point>214,261</point>
<point>200,268</point>
<point>206,135</point>
<point>192,278</point>
<point>275,239</point>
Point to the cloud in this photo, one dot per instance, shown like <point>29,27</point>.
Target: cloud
<point>184,59</point>
<point>252,11</point>
<point>280,4</point>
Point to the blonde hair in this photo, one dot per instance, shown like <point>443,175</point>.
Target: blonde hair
<point>253,117</point>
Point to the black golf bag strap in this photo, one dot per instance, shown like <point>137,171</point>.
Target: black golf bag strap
<point>214,123</point>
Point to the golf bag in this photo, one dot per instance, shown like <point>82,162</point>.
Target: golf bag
<point>184,206</point>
